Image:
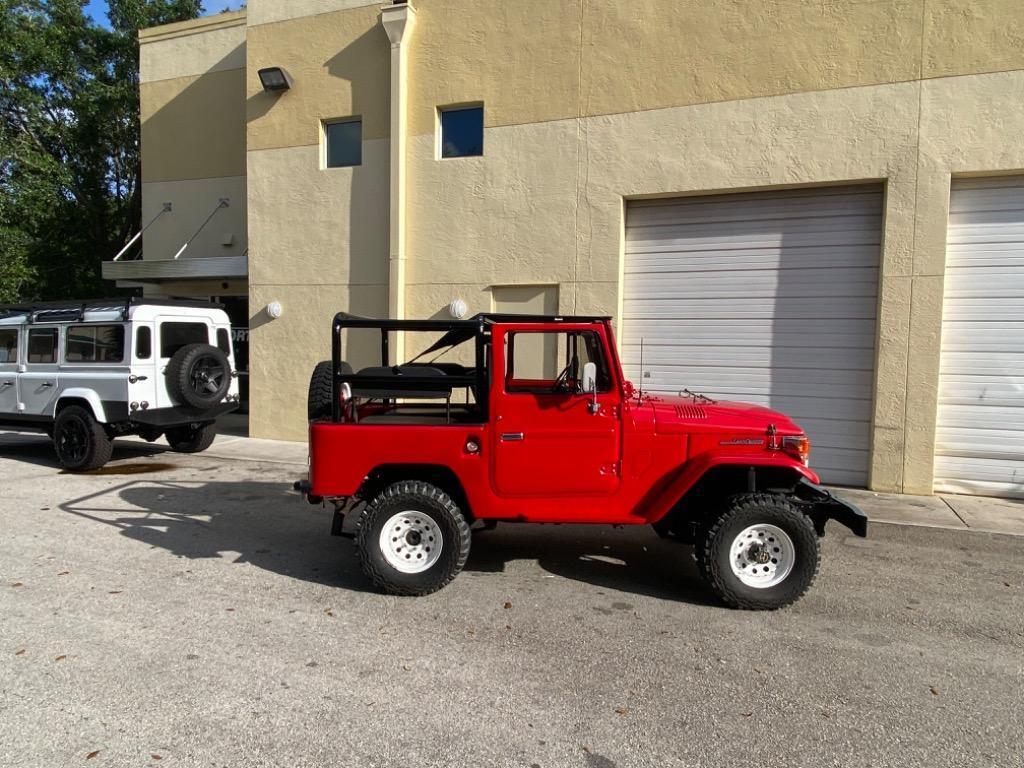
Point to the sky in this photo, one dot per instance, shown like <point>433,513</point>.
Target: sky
<point>98,8</point>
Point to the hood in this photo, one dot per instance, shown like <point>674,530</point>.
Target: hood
<point>684,413</point>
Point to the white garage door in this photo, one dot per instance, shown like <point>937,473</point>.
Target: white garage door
<point>979,439</point>
<point>768,298</point>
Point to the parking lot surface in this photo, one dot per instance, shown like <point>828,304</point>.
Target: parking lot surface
<point>191,611</point>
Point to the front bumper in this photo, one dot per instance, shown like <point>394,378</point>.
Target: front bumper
<point>180,416</point>
<point>822,506</point>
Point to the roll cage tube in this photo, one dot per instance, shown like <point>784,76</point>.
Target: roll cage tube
<point>458,330</point>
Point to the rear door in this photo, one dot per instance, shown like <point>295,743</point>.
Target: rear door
<point>548,440</point>
<point>173,333</point>
<point>37,384</point>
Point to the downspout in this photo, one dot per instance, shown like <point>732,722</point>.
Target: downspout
<point>398,21</point>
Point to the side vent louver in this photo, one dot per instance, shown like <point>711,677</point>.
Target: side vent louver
<point>690,412</point>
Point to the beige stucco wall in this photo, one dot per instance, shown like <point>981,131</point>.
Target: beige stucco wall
<point>192,48</point>
<point>591,102</point>
<point>192,201</point>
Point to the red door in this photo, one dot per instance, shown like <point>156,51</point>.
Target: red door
<point>549,437</point>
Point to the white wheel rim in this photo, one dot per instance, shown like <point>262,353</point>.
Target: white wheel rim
<point>411,542</point>
<point>762,556</point>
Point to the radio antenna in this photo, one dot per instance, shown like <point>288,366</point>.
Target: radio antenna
<point>640,388</point>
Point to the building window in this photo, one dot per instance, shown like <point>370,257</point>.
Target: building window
<point>343,143</point>
<point>462,131</point>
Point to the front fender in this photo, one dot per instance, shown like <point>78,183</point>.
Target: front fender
<point>665,496</point>
<point>83,394</point>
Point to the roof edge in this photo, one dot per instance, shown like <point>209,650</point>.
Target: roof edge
<point>192,26</point>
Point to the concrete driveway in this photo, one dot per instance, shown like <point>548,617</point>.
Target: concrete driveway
<point>190,611</point>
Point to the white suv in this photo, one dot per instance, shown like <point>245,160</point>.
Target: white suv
<point>87,372</point>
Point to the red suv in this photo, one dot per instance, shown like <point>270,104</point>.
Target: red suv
<point>530,420</point>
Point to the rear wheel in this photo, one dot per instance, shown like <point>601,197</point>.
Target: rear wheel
<point>189,439</point>
<point>81,442</point>
<point>412,539</point>
<point>762,553</point>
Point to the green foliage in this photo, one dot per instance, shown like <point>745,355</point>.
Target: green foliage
<point>69,140</point>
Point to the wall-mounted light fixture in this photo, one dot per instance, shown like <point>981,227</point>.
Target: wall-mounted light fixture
<point>274,79</point>
<point>274,309</point>
<point>458,309</point>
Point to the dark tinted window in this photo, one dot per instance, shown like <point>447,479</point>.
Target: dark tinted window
<point>462,132</point>
<point>174,336</point>
<point>224,341</point>
<point>344,143</point>
<point>8,345</point>
<point>94,344</point>
<point>42,345</point>
<point>143,342</point>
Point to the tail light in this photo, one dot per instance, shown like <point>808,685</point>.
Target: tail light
<point>797,446</point>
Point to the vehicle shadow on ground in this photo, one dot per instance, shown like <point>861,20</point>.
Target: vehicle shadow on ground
<point>271,527</point>
<point>37,449</point>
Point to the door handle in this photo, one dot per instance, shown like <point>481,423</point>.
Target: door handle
<point>46,384</point>
<point>7,384</point>
<point>508,437</point>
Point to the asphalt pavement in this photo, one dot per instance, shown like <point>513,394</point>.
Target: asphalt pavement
<point>191,611</point>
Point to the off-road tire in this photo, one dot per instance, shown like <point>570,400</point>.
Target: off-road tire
<point>181,372</point>
<point>81,442</point>
<point>420,498</point>
<point>318,402</point>
<point>191,440</point>
<point>715,539</point>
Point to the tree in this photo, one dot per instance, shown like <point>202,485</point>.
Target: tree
<point>70,173</point>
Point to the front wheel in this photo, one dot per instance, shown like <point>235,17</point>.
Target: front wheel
<point>191,439</point>
<point>412,539</point>
<point>762,553</point>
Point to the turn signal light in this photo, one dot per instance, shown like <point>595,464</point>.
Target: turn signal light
<point>797,446</point>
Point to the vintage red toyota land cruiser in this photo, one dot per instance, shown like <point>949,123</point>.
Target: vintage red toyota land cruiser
<point>532,421</point>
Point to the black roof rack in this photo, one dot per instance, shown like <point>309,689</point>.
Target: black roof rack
<point>78,307</point>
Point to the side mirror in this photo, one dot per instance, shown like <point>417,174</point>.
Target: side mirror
<point>589,383</point>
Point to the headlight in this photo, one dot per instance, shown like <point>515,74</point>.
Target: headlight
<point>797,446</point>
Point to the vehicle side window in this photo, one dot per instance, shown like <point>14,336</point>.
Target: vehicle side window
<point>223,341</point>
<point>545,362</point>
<point>42,345</point>
<point>8,345</point>
<point>94,344</point>
<point>143,342</point>
<point>174,336</point>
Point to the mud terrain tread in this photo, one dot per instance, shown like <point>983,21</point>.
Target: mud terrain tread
<point>318,399</point>
<point>748,509</point>
<point>394,498</point>
<point>185,440</point>
<point>101,447</point>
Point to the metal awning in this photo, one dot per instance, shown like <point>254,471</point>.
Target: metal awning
<point>155,270</point>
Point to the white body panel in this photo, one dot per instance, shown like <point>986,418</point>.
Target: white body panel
<point>979,436</point>
<point>767,298</point>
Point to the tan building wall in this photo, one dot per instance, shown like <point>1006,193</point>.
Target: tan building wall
<point>192,93</point>
<point>590,103</point>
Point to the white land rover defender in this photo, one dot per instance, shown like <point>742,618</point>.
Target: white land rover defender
<point>86,372</point>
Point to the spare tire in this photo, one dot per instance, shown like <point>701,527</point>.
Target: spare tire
<point>318,402</point>
<point>199,375</point>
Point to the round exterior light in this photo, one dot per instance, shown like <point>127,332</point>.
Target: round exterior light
<point>458,309</point>
<point>274,309</point>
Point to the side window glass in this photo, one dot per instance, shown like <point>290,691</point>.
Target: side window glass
<point>223,341</point>
<point>144,343</point>
<point>8,345</point>
<point>42,345</point>
<point>94,344</point>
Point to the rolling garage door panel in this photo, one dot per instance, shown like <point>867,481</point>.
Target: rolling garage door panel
<point>979,437</point>
<point>768,298</point>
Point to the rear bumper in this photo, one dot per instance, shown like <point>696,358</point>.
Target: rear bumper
<point>823,506</point>
<point>179,417</point>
